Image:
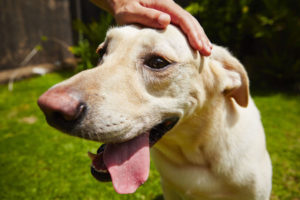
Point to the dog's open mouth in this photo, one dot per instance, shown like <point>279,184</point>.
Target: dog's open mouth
<point>127,164</point>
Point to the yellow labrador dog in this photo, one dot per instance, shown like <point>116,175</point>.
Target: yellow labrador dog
<point>150,89</point>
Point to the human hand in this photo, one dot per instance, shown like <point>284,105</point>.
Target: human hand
<point>158,14</point>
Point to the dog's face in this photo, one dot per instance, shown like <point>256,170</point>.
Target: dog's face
<point>146,81</point>
<point>143,78</point>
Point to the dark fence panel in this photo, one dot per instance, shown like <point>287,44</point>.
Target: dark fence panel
<point>24,23</point>
<point>40,31</point>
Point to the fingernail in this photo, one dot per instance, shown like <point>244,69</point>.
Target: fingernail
<point>164,19</point>
<point>207,47</point>
<point>210,45</point>
<point>199,44</point>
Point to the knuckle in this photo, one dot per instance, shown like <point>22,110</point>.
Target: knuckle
<point>127,9</point>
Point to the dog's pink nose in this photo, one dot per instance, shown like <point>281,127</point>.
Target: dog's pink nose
<point>57,105</point>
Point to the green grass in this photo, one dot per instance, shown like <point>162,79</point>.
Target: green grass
<point>38,162</point>
<point>281,119</point>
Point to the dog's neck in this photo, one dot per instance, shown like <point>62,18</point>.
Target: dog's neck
<point>203,134</point>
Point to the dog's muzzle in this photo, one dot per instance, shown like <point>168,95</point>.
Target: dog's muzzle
<point>62,110</point>
<point>98,168</point>
<point>126,164</point>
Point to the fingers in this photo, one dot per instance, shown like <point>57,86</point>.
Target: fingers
<point>201,36</point>
<point>189,25</point>
<point>193,30</point>
<point>154,17</point>
<point>158,14</point>
<point>135,13</point>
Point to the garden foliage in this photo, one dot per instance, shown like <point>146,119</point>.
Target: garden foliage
<point>90,36</point>
<point>263,34</point>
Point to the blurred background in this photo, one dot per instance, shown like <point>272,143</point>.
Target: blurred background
<point>263,34</point>
<point>46,41</point>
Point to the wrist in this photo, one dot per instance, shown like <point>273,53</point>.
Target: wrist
<point>106,5</point>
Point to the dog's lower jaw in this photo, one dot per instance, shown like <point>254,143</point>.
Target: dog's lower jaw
<point>113,162</point>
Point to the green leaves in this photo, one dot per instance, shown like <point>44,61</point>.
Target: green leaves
<point>195,8</point>
<point>90,36</point>
<point>263,34</point>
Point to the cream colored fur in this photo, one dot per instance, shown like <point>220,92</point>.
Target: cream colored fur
<point>217,149</point>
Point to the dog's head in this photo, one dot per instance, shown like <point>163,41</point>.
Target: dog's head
<point>146,81</point>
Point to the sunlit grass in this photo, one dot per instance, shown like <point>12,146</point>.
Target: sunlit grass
<point>281,119</point>
<point>38,162</point>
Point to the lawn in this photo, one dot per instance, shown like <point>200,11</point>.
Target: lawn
<point>38,162</point>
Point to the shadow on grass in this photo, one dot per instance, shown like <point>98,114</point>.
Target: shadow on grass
<point>159,197</point>
<point>272,92</point>
<point>65,74</point>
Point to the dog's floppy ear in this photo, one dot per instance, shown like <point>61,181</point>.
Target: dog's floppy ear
<point>235,83</point>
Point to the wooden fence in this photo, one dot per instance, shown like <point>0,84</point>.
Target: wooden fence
<point>39,31</point>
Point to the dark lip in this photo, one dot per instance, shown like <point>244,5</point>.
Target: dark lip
<point>160,129</point>
<point>100,176</point>
<point>156,133</point>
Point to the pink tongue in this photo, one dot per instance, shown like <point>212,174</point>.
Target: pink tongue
<point>128,163</point>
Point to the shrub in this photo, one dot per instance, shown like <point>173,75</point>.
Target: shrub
<point>90,36</point>
<point>263,34</point>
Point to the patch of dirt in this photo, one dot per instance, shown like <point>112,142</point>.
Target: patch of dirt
<point>29,120</point>
<point>12,75</point>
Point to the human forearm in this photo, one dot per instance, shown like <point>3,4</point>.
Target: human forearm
<point>104,4</point>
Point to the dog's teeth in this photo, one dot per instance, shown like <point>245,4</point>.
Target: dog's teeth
<point>92,156</point>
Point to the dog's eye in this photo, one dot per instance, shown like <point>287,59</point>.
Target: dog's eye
<point>156,62</point>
